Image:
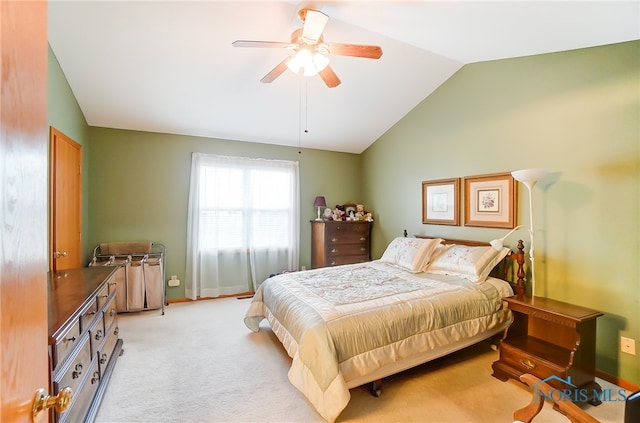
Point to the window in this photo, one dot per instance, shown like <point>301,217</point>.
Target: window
<point>241,208</point>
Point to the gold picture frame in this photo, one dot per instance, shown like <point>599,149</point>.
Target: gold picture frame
<point>441,202</point>
<point>490,200</point>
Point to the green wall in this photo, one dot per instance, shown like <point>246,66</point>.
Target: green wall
<point>64,114</point>
<point>140,187</point>
<point>574,113</point>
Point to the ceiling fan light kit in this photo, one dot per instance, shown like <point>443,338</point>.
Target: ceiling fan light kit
<point>310,51</point>
<point>306,63</point>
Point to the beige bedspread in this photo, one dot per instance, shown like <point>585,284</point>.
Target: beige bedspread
<point>342,323</point>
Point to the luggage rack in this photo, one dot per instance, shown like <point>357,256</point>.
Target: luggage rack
<point>140,275</point>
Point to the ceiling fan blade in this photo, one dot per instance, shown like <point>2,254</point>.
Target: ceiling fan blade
<point>314,23</point>
<point>356,50</point>
<point>329,77</point>
<point>275,72</point>
<point>269,44</point>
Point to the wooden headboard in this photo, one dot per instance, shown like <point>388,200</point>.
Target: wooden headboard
<point>501,269</point>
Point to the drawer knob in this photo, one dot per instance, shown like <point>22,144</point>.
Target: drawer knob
<point>334,239</point>
<point>103,358</point>
<point>42,401</point>
<point>528,363</point>
<point>98,335</point>
<point>72,339</point>
<point>112,312</point>
<point>95,378</point>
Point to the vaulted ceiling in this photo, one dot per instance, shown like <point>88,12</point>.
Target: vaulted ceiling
<point>169,66</point>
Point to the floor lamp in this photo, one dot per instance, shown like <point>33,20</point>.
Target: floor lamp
<point>528,177</point>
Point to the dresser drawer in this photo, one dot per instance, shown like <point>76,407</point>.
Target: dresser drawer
<point>347,250</point>
<point>74,369</point>
<point>65,343</point>
<point>87,315</point>
<point>103,296</point>
<point>96,333</point>
<point>110,312</point>
<point>82,397</point>
<point>105,351</point>
<point>337,261</point>
<point>348,238</point>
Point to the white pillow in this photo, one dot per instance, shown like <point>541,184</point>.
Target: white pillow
<point>412,254</point>
<point>472,263</point>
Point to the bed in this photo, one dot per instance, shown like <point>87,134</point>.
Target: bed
<point>349,325</point>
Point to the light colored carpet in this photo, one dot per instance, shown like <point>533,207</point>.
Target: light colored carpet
<point>199,363</point>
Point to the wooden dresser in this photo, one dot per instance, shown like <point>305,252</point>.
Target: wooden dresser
<point>554,341</point>
<point>334,243</point>
<point>83,338</point>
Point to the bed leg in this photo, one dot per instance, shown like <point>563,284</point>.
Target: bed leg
<point>376,388</point>
<point>495,341</point>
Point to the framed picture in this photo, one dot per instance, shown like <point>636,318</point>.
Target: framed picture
<point>441,201</point>
<point>490,201</point>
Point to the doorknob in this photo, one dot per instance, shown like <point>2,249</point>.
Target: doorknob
<point>58,254</point>
<point>43,401</point>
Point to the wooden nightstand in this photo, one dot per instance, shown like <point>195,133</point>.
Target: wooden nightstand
<point>551,338</point>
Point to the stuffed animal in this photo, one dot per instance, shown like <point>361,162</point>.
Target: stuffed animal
<point>337,214</point>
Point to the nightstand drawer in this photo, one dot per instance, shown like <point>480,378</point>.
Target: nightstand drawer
<point>528,363</point>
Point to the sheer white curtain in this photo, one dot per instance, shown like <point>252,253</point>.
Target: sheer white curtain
<point>243,223</point>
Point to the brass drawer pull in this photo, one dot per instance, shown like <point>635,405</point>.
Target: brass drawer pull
<point>527,363</point>
<point>98,335</point>
<point>72,339</point>
<point>95,378</point>
<point>77,372</point>
<point>103,358</point>
<point>112,312</point>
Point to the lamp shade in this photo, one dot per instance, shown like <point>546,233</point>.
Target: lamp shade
<point>319,202</point>
<point>529,175</point>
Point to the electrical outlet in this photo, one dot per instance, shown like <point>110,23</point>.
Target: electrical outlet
<point>628,345</point>
<point>174,281</point>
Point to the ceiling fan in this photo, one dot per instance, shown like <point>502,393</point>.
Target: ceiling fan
<point>310,52</point>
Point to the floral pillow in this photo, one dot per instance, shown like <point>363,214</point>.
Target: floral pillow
<point>472,263</point>
<point>412,254</point>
